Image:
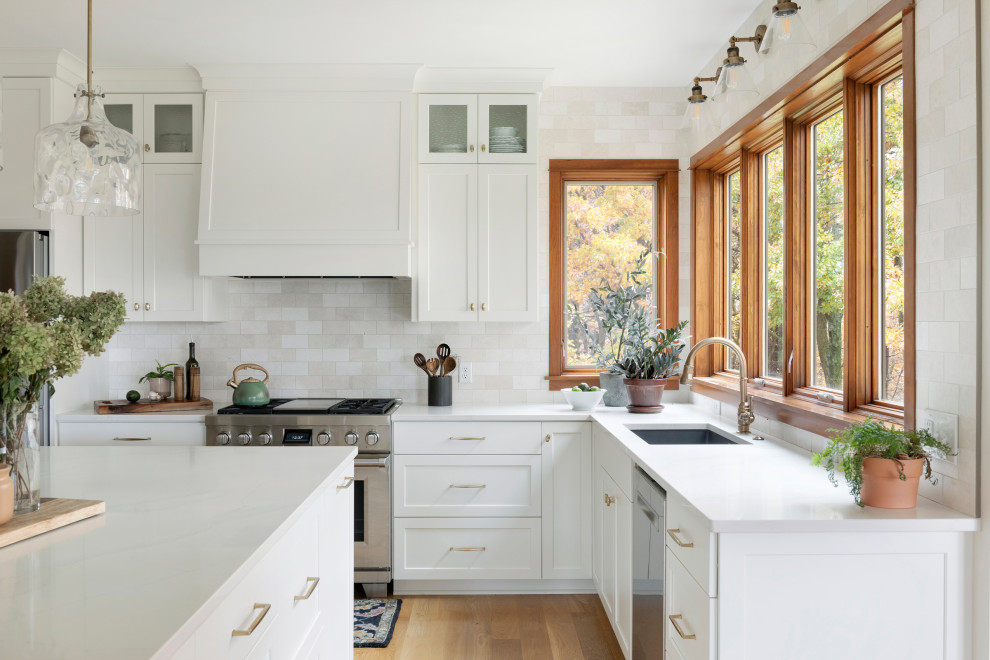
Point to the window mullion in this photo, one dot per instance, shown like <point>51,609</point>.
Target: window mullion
<point>752,289</point>
<point>797,262</point>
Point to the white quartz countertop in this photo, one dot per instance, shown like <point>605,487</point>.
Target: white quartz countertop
<point>182,525</point>
<point>760,486</point>
<point>88,415</point>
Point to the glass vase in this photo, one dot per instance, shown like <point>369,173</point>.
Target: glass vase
<point>21,437</point>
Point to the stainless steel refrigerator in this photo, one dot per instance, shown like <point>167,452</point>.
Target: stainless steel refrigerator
<point>23,257</point>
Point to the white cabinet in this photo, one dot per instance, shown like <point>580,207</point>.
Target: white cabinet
<point>477,243</point>
<point>336,572</point>
<point>477,128</point>
<point>567,500</point>
<point>27,107</point>
<point>169,126</point>
<point>131,432</point>
<point>152,257</point>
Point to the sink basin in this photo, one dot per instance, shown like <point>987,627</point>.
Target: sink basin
<point>684,437</point>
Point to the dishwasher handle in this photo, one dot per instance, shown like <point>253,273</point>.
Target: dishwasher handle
<point>650,512</point>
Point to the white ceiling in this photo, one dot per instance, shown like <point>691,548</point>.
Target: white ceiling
<point>585,42</point>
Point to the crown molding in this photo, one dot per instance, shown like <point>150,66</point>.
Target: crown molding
<point>308,77</point>
<point>42,63</point>
<point>148,80</point>
<point>459,80</point>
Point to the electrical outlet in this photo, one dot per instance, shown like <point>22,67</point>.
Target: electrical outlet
<point>945,427</point>
<point>464,372</point>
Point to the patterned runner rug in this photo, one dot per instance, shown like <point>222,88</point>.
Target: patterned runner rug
<point>374,621</point>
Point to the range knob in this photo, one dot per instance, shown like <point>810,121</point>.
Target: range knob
<point>265,438</point>
<point>244,438</point>
<point>223,438</point>
<point>351,438</point>
<point>323,438</point>
<point>372,438</point>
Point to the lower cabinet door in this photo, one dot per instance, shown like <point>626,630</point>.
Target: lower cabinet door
<point>336,589</point>
<point>690,613</point>
<point>467,548</point>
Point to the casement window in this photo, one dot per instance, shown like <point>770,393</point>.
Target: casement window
<point>803,239</point>
<point>603,214</point>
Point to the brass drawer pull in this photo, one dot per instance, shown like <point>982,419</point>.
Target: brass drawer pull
<point>467,438</point>
<point>312,587</point>
<point>609,500</point>
<point>132,439</point>
<point>347,483</point>
<point>674,618</point>
<point>468,486</point>
<point>467,549</point>
<point>673,534</point>
<point>264,607</point>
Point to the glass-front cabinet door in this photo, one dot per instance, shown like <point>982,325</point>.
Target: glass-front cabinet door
<point>448,128</point>
<point>173,128</point>
<point>126,111</point>
<point>507,128</point>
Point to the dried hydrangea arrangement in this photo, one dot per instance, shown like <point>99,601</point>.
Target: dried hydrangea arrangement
<point>44,335</point>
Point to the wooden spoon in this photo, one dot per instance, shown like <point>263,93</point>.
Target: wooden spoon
<point>420,361</point>
<point>443,351</point>
<point>447,366</point>
<point>433,366</point>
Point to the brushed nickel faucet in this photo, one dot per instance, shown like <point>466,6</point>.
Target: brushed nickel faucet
<point>746,416</point>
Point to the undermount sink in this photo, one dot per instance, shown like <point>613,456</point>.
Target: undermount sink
<point>685,437</point>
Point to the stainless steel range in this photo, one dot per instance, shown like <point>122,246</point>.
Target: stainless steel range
<point>362,423</point>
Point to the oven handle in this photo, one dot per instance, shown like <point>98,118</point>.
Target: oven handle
<point>372,462</point>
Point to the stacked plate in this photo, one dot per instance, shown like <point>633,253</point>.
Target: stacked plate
<point>449,149</point>
<point>505,140</point>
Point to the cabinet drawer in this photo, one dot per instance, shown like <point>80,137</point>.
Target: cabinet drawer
<point>466,548</point>
<point>271,582</point>
<point>302,590</point>
<point>690,622</point>
<point>131,434</point>
<point>467,486</point>
<point>611,456</point>
<point>467,438</point>
<point>688,535</point>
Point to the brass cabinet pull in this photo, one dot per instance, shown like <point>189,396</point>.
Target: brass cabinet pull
<point>347,483</point>
<point>482,147</point>
<point>609,500</point>
<point>452,549</point>
<point>472,307</point>
<point>132,439</point>
<point>147,147</point>
<point>547,439</point>
<point>468,486</point>
<point>312,587</point>
<point>467,438</point>
<point>674,618</point>
<point>484,307</point>
<point>147,306</point>
<point>264,607</point>
<point>137,306</point>
<point>673,534</point>
<point>471,148</point>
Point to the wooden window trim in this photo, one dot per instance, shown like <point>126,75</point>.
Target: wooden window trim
<point>845,75</point>
<point>664,172</point>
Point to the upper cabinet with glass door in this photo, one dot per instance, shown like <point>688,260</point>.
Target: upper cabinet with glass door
<point>477,128</point>
<point>170,126</point>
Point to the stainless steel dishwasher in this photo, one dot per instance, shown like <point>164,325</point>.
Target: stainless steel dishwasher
<point>648,550</point>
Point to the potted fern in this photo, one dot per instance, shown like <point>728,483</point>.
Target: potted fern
<point>613,315</point>
<point>881,464</point>
<point>648,361</point>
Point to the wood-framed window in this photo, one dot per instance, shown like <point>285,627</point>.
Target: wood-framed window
<point>821,295</point>
<point>603,213</point>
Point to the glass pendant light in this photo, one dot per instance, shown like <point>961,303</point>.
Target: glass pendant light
<point>86,165</point>
<point>734,82</point>
<point>696,117</point>
<point>786,29</point>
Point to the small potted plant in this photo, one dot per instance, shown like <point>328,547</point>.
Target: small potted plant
<point>612,315</point>
<point>648,360</point>
<point>882,464</point>
<point>160,380</point>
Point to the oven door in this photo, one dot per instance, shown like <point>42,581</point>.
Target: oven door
<point>372,517</point>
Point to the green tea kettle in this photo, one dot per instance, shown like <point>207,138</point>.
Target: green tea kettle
<point>250,392</point>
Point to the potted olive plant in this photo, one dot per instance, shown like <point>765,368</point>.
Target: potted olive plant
<point>614,314</point>
<point>881,464</point>
<point>648,361</point>
<point>160,379</point>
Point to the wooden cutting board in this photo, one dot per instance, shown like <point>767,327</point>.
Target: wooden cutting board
<point>54,513</point>
<point>115,406</point>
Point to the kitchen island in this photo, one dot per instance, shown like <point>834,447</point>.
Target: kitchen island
<point>194,542</point>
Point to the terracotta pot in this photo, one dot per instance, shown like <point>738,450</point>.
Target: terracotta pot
<point>882,486</point>
<point>6,494</point>
<point>644,394</point>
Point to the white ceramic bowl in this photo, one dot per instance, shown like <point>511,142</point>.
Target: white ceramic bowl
<point>583,400</point>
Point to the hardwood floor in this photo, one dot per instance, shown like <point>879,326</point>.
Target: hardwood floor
<point>510,627</point>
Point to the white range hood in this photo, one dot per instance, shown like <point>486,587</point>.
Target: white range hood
<point>306,170</point>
